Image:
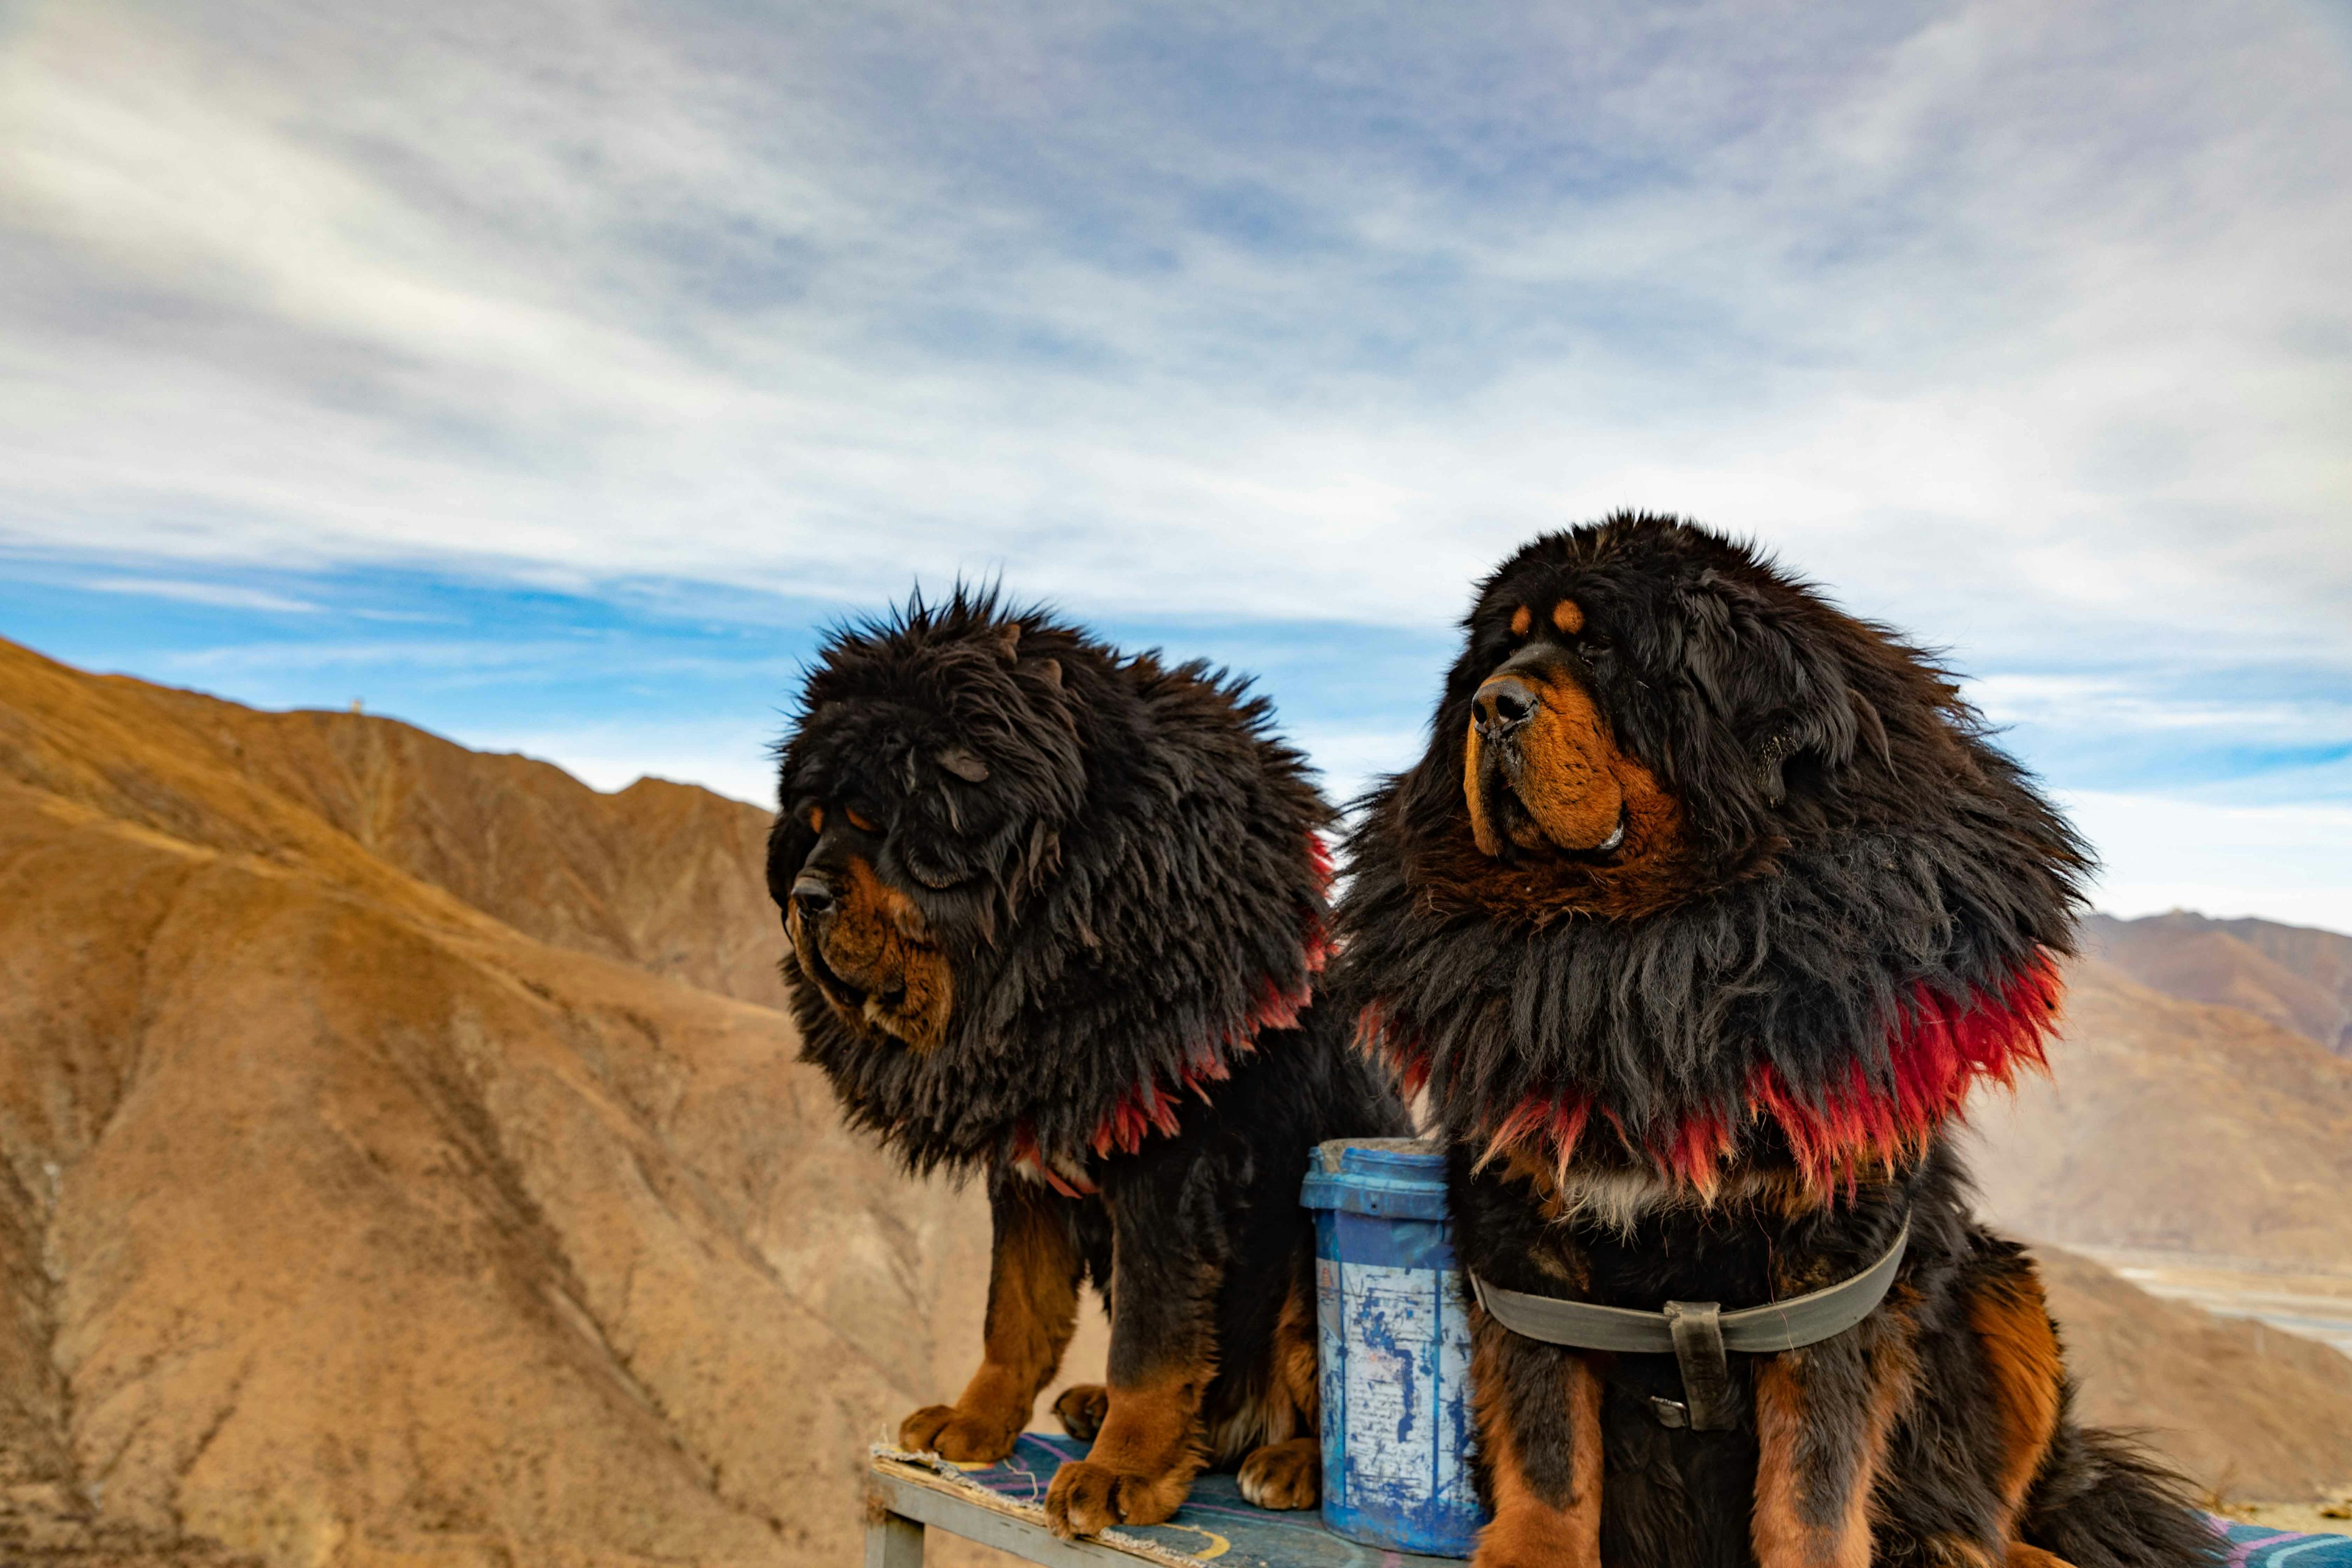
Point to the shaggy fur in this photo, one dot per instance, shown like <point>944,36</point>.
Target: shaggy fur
<point>1704,913</point>
<point>1056,913</point>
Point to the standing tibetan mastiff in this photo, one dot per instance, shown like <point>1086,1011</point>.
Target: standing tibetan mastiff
<point>1704,913</point>
<point>1054,915</point>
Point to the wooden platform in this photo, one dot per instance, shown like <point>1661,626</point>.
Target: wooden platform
<point>1004,1506</point>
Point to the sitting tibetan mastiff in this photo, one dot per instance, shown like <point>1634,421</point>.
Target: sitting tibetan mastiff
<point>1703,914</point>
<point>1054,915</point>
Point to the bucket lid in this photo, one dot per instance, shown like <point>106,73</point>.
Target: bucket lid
<point>1401,1178</point>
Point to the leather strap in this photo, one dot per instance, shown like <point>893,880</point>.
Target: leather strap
<point>1775,1326</point>
<point>1697,1328</point>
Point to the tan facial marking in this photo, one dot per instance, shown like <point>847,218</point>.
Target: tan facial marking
<point>1572,778</point>
<point>857,819</point>
<point>1571,781</point>
<point>880,944</point>
<point>816,819</point>
<point>1482,827</point>
<point>1568,616</point>
<point>1523,620</point>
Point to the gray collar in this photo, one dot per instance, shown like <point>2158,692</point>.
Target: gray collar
<point>1698,1334</point>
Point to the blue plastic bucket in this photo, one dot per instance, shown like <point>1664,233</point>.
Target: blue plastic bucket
<point>1395,1348</point>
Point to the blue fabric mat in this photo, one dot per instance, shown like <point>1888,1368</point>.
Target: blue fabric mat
<point>1214,1522</point>
<point>2252,1547</point>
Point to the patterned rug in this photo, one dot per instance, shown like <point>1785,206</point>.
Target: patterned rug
<point>1215,1524</point>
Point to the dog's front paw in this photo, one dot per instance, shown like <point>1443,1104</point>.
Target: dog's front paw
<point>1082,1408</point>
<point>963,1435</point>
<point>1283,1475</point>
<point>1087,1498</point>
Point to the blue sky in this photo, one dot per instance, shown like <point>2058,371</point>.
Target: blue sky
<point>546,375</point>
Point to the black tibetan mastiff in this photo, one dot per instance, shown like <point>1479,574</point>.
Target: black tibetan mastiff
<point>1056,915</point>
<point>1706,909</point>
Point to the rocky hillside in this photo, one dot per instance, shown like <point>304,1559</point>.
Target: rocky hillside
<point>2177,1126</point>
<point>664,876</point>
<point>342,1221</point>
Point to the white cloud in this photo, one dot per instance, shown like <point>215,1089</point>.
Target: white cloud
<point>222,596</point>
<point>2288,863</point>
<point>1993,321</point>
<point>730,757</point>
<point>2156,702</point>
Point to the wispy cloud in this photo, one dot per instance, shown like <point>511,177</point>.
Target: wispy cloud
<point>224,596</point>
<point>2037,302</point>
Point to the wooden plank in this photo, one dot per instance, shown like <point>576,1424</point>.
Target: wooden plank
<point>894,1540</point>
<point>1216,1524</point>
<point>1000,1527</point>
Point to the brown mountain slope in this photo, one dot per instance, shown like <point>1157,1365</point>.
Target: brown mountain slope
<point>663,874</point>
<point>362,1239</point>
<point>2179,1127</point>
<point>2297,977</point>
<point>340,1223</point>
<point>2175,1125</point>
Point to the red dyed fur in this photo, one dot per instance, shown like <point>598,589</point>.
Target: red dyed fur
<point>1942,1049</point>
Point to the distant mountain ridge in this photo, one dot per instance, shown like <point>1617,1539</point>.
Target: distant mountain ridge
<point>666,876</point>
<point>2298,977</point>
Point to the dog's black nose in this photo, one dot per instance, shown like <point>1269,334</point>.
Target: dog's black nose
<point>1504,704</point>
<point>813,895</point>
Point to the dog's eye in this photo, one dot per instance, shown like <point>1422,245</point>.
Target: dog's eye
<point>857,819</point>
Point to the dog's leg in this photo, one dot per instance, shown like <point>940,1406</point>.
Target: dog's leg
<point>2020,1345</point>
<point>2021,1350</point>
<point>1080,1408</point>
<point>1538,1411</point>
<point>1289,1474</point>
<point>1163,1352</point>
<point>1822,1417</point>
<point>1032,1308</point>
<point>2023,1556</point>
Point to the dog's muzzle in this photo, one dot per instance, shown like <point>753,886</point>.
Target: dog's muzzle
<point>812,897</point>
<point>1504,705</point>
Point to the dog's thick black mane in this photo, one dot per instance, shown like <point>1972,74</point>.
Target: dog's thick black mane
<point>1117,855</point>
<point>1861,859</point>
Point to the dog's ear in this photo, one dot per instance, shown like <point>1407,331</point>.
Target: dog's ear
<point>1829,728</point>
<point>963,764</point>
<point>1771,757</point>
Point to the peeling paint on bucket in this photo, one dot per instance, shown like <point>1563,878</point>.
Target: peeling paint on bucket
<point>1394,1351</point>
